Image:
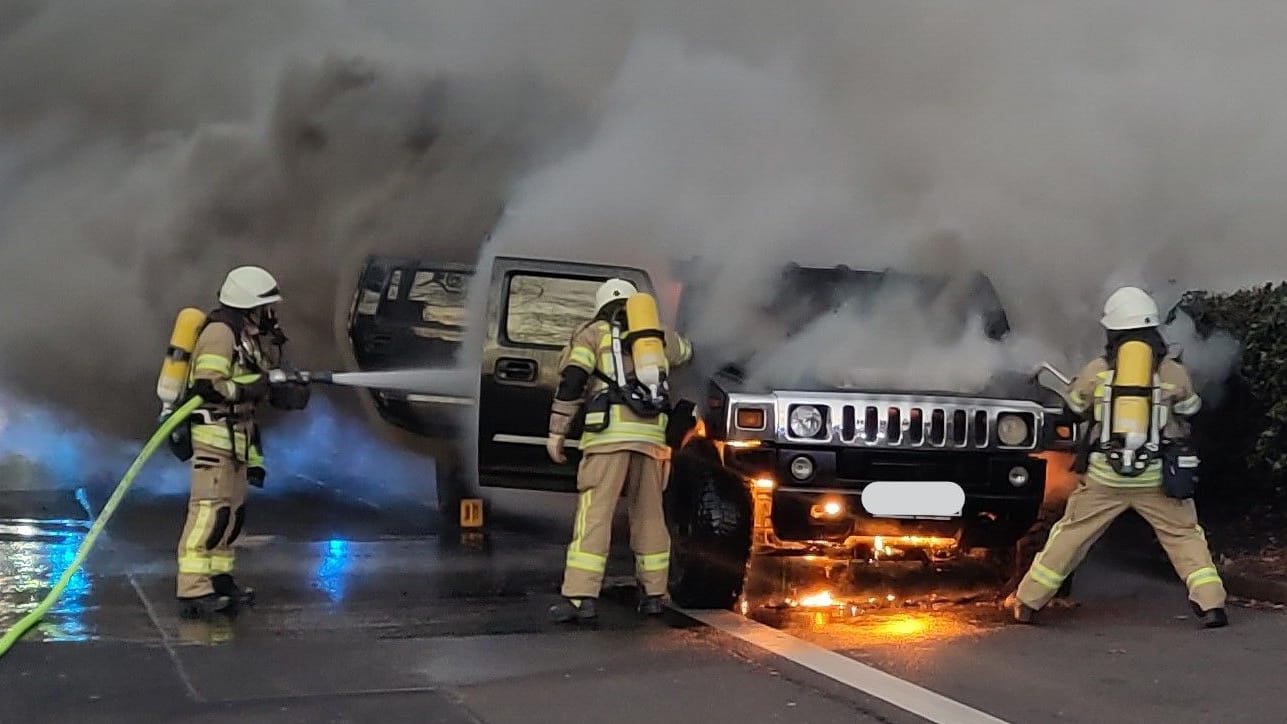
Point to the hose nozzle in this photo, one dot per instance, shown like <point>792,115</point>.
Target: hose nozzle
<point>304,377</point>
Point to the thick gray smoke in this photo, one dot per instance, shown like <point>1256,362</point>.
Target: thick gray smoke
<point>147,146</point>
<point>1063,149</point>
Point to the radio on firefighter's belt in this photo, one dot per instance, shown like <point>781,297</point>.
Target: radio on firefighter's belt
<point>178,356</point>
<point>1131,405</point>
<point>647,344</point>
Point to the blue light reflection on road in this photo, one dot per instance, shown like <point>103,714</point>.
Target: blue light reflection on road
<point>333,569</point>
<point>32,559</point>
<point>68,614</point>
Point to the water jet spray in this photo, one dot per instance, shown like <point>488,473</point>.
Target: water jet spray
<point>455,383</point>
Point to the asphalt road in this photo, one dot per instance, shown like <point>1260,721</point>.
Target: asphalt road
<point>368,614</point>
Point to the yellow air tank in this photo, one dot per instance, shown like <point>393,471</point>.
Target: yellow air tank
<point>647,343</point>
<point>174,371</point>
<point>1133,409</point>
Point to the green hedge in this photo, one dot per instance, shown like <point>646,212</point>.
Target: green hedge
<point>1242,439</point>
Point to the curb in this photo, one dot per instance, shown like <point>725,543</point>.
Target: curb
<point>1258,588</point>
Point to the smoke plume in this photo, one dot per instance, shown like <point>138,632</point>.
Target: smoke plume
<point>148,146</point>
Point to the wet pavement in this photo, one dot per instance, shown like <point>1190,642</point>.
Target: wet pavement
<point>367,613</point>
<point>364,614</point>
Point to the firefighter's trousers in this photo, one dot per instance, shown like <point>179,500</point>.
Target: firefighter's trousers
<point>216,511</point>
<point>1091,508</point>
<point>600,481</point>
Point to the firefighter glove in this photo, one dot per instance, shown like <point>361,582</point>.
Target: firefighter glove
<point>289,395</point>
<point>255,391</point>
<point>554,446</point>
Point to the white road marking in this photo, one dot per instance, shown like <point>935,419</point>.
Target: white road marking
<point>165,641</point>
<point>902,694</point>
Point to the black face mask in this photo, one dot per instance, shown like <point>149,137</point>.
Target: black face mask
<point>611,310</point>
<point>269,326</point>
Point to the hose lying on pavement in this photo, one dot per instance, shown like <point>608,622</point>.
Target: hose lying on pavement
<point>30,620</point>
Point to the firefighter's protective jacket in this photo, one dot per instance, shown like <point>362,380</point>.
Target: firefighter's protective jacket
<point>1178,399</point>
<point>229,364</point>
<point>590,351</point>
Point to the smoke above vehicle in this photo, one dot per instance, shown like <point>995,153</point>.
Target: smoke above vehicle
<point>1061,149</point>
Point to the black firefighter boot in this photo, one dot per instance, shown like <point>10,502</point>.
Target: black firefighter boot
<point>225,585</point>
<point>203,607</point>
<point>651,606</point>
<point>1215,618</point>
<point>574,610</point>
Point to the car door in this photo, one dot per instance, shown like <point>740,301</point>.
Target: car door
<point>533,308</point>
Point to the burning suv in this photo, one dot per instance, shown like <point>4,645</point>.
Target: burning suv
<point>816,466</point>
<point>865,464</point>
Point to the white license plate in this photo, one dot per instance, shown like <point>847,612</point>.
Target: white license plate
<point>913,499</point>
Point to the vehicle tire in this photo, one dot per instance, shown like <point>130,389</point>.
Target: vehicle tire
<point>1006,564</point>
<point>709,514</point>
<point>1018,559</point>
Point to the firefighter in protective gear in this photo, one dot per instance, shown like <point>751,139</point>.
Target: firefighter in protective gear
<point>1120,472</point>
<point>237,347</point>
<point>624,447</point>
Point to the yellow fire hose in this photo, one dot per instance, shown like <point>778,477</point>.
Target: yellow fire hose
<point>30,620</point>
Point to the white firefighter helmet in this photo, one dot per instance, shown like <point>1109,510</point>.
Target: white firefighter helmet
<point>1130,308</point>
<point>247,287</point>
<point>612,290</point>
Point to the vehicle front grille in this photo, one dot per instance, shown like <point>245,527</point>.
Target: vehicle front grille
<point>910,422</point>
<point>916,426</point>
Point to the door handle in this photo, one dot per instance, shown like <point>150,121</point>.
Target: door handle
<point>516,370</point>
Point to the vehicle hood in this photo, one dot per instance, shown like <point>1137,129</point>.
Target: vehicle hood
<point>1003,384</point>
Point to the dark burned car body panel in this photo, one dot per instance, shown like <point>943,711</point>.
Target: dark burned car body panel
<point>533,307</point>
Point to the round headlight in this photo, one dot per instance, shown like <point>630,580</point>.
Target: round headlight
<point>1018,476</point>
<point>1012,430</point>
<point>801,468</point>
<point>806,421</point>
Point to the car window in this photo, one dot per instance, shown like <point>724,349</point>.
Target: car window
<point>544,310</point>
<point>441,296</point>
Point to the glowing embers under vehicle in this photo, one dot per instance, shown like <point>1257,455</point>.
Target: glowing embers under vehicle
<point>845,539</point>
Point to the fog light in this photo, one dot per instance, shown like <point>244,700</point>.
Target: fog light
<point>1018,476</point>
<point>831,508</point>
<point>802,468</point>
<point>764,483</point>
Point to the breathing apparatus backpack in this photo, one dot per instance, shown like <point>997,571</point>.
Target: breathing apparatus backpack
<point>1130,410</point>
<point>173,386</point>
<point>1131,422</point>
<point>646,390</point>
<point>172,383</point>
